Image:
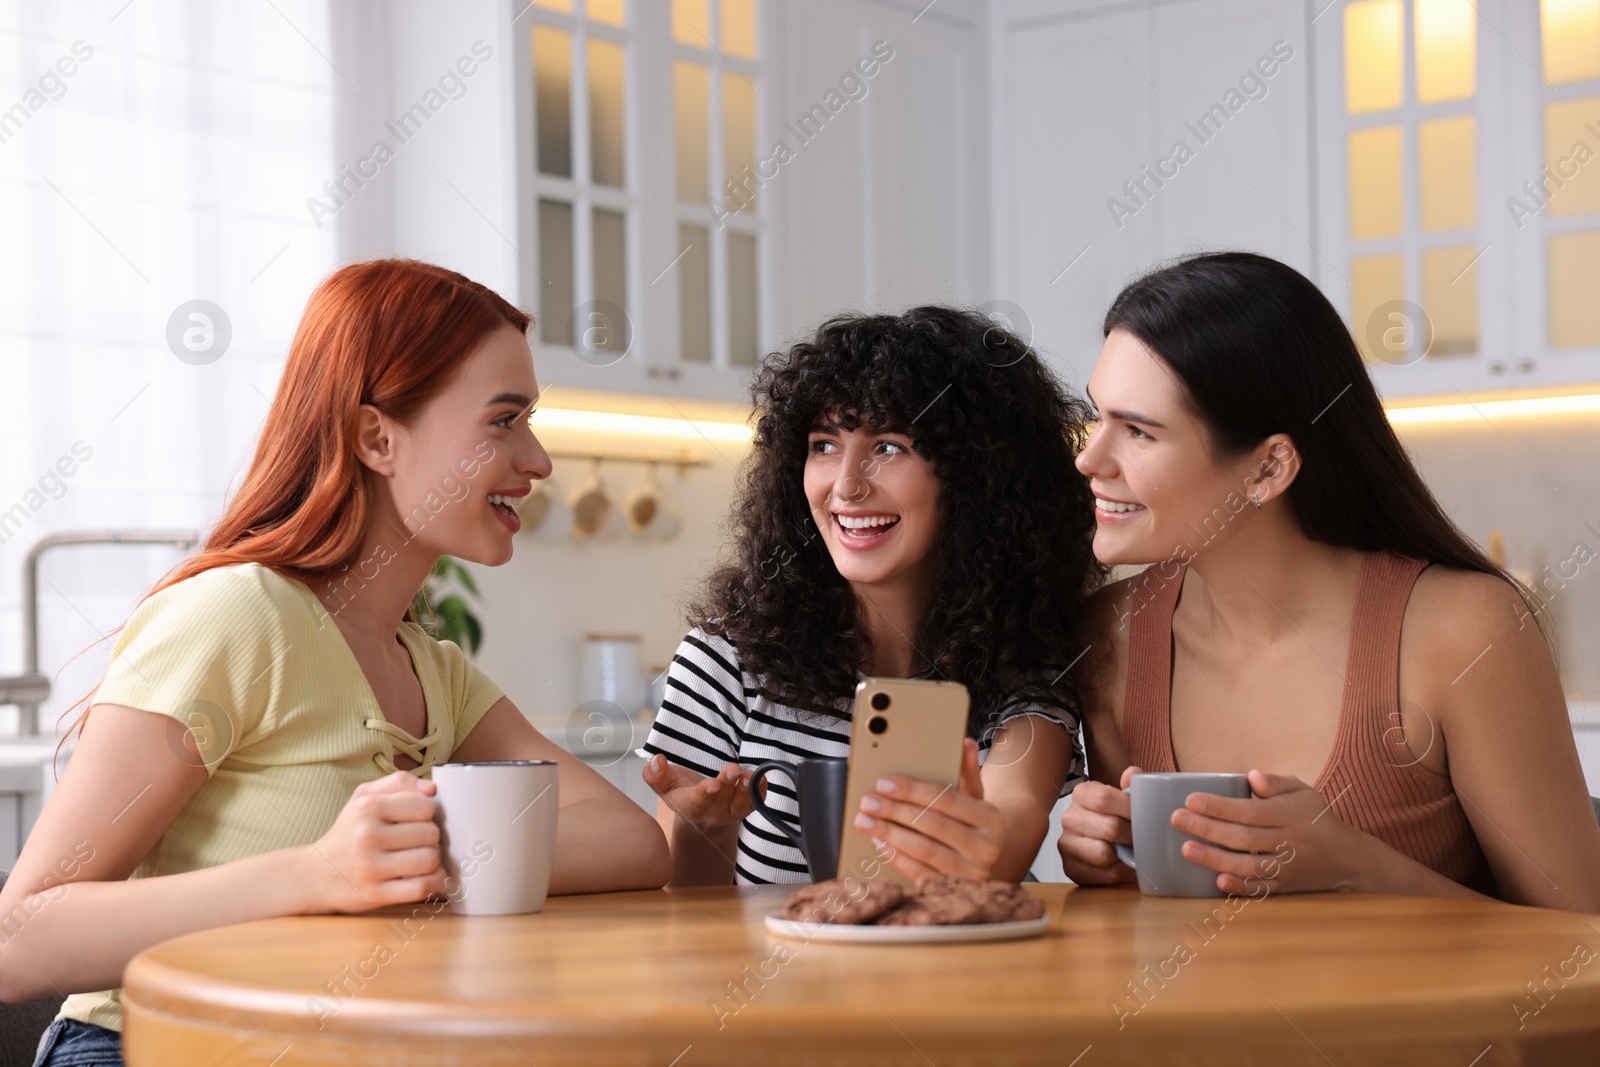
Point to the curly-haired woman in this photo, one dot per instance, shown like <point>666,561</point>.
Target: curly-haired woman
<point>910,509</point>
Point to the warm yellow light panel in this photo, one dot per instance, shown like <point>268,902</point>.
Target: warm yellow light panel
<point>1536,407</point>
<point>1570,30</point>
<point>1572,154</point>
<point>606,422</point>
<point>1574,284</point>
<point>739,139</point>
<point>690,92</point>
<point>691,22</point>
<point>552,91</point>
<point>611,12</point>
<point>564,6</point>
<point>1374,281</point>
<point>1447,50</point>
<point>607,105</point>
<point>1375,182</point>
<point>1373,34</point>
<point>1450,298</point>
<point>739,28</point>
<point>1447,166</point>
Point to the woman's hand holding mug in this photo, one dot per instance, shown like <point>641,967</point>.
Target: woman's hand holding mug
<point>1099,817</point>
<point>383,848</point>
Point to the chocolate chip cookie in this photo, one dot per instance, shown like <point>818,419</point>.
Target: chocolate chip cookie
<point>945,900</point>
<point>1007,902</point>
<point>932,911</point>
<point>842,901</point>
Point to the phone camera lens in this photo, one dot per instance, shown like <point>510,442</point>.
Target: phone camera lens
<point>880,702</point>
<point>877,724</point>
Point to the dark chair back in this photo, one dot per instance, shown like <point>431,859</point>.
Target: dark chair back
<point>22,1025</point>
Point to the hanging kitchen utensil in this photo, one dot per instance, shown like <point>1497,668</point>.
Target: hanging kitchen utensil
<point>535,507</point>
<point>592,506</point>
<point>644,502</point>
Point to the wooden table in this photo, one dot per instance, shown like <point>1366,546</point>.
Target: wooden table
<point>690,977</point>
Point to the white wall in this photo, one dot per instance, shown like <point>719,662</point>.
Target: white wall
<point>538,607</point>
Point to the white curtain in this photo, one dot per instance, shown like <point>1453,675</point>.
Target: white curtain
<point>153,153</point>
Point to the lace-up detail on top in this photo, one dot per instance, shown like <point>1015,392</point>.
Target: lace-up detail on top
<point>419,749</point>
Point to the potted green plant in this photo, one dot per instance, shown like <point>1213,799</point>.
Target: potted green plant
<point>446,614</point>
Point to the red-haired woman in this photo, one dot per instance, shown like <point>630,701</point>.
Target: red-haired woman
<point>260,743</point>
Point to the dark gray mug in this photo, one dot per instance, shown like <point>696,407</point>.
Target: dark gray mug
<point>819,785</point>
<point>1163,871</point>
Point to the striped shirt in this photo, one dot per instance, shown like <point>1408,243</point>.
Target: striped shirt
<point>714,713</point>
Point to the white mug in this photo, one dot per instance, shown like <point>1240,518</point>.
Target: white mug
<point>497,833</point>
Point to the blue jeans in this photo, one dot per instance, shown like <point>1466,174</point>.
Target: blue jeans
<point>69,1043</point>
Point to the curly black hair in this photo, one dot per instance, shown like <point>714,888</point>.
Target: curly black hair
<point>1015,557</point>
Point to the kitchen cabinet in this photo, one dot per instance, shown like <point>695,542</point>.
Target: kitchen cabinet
<point>864,181</point>
<point>1139,133</point>
<point>1432,190</point>
<point>26,780</point>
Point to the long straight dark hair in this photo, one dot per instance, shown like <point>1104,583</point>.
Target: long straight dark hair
<point>1260,351</point>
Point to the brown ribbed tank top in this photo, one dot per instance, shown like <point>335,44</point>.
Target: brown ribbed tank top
<point>1372,778</point>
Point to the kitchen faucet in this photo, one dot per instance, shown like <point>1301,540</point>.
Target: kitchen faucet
<point>31,689</point>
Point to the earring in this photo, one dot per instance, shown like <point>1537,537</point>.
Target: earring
<point>1254,499</point>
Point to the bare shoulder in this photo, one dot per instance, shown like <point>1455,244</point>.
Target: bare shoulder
<point>1456,618</point>
<point>1104,666</point>
<point>1455,610</point>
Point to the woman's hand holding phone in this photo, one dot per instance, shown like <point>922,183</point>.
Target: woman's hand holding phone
<point>1098,816</point>
<point>929,828</point>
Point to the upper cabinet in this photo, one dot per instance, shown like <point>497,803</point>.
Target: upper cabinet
<point>692,184</point>
<point>1430,163</point>
<point>698,182</point>
<point>889,187</point>
<point>1459,210</point>
<point>645,244</point>
<point>1138,133</point>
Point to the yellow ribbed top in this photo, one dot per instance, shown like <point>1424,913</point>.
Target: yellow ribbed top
<point>282,715</point>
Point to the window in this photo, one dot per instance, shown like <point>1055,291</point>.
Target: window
<point>715,91</point>
<point>1412,227</point>
<point>1569,190</point>
<point>586,205</point>
<point>123,212</point>
<point>646,122</point>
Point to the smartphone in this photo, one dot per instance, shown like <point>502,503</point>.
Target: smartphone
<point>902,726</point>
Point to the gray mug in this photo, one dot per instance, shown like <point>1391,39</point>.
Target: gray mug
<point>1163,871</point>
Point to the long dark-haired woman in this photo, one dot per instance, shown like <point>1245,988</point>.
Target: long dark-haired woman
<point>1311,616</point>
<point>909,509</point>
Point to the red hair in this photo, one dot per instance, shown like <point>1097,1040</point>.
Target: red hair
<point>386,332</point>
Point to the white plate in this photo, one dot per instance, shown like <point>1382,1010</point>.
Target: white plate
<point>905,935</point>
